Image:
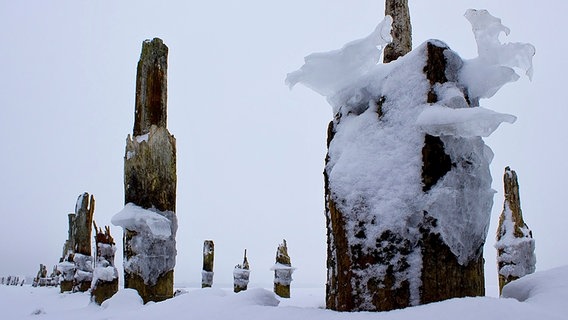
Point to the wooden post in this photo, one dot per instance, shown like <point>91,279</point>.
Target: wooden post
<point>208,257</point>
<point>282,271</point>
<point>241,275</point>
<point>417,267</point>
<point>515,244</point>
<point>443,276</point>
<point>69,246</point>
<point>66,265</point>
<point>401,30</point>
<point>84,211</point>
<point>150,180</point>
<point>105,275</point>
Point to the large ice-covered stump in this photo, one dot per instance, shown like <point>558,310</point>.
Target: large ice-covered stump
<point>515,244</point>
<point>407,183</point>
<point>148,218</point>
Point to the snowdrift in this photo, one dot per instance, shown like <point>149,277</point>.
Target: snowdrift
<point>542,296</point>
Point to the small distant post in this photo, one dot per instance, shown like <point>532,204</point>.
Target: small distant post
<point>105,275</point>
<point>282,271</point>
<point>515,244</point>
<point>66,265</point>
<point>208,257</point>
<point>241,275</point>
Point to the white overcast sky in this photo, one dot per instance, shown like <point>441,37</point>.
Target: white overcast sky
<point>250,152</point>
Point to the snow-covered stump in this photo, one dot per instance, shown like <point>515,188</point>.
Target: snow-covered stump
<point>105,275</point>
<point>241,275</point>
<point>67,269</point>
<point>407,182</point>
<point>282,271</point>
<point>39,280</point>
<point>149,219</point>
<point>515,244</point>
<point>55,276</point>
<point>208,259</point>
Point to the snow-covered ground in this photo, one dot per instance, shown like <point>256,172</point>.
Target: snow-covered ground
<point>542,295</point>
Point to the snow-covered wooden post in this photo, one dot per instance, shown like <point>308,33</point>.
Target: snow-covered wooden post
<point>515,244</point>
<point>282,271</point>
<point>105,275</point>
<point>407,183</point>
<point>69,246</point>
<point>148,218</point>
<point>66,266</point>
<point>208,259</point>
<point>84,211</point>
<point>39,280</point>
<point>241,275</point>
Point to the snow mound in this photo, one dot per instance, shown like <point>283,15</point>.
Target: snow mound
<point>542,295</point>
<point>542,288</point>
<point>256,297</point>
<point>124,299</point>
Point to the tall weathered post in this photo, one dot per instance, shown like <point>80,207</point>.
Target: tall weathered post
<point>84,211</point>
<point>66,265</point>
<point>515,244</point>
<point>208,259</point>
<point>150,183</point>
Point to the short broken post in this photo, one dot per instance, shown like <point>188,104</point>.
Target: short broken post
<point>241,275</point>
<point>282,271</point>
<point>105,275</point>
<point>208,258</point>
<point>515,244</point>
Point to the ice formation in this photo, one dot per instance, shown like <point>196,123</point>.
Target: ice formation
<point>494,66</point>
<point>517,257</point>
<point>240,277</point>
<point>84,264</point>
<point>154,242</point>
<point>330,72</point>
<point>133,217</point>
<point>381,116</point>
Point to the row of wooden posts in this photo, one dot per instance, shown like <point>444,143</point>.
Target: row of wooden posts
<point>282,270</point>
<point>12,281</point>
<point>77,271</point>
<point>150,182</point>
